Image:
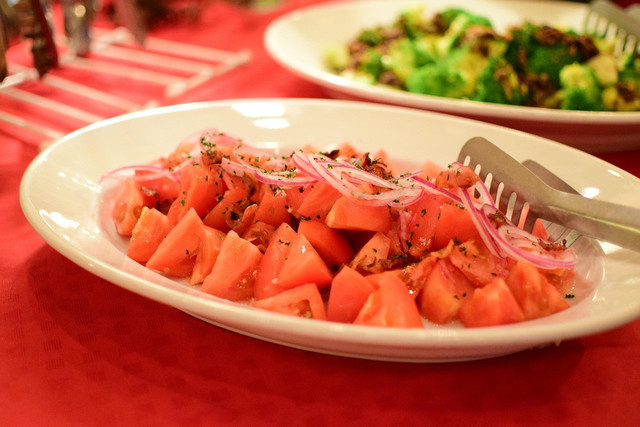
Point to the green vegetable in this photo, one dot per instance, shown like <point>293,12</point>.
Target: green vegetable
<point>580,88</point>
<point>438,80</point>
<point>458,54</point>
<point>498,83</point>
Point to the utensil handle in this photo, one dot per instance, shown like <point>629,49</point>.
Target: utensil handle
<point>596,218</point>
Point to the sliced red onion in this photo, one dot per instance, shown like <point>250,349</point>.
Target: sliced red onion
<point>481,225</point>
<point>115,173</point>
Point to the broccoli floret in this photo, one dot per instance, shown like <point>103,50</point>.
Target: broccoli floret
<point>605,68</point>
<point>411,22</point>
<point>498,83</point>
<point>454,76</point>
<point>456,30</point>
<point>447,16</point>
<point>522,41</point>
<point>337,57</point>
<point>541,50</point>
<point>468,62</point>
<point>403,56</point>
<point>464,19</point>
<point>371,63</point>
<point>371,37</point>
<point>580,88</point>
<point>438,80</point>
<point>629,66</point>
<point>425,50</point>
<point>550,60</point>
<point>625,94</point>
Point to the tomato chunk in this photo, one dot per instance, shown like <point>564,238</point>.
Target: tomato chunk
<point>372,253</point>
<point>303,265</point>
<point>318,200</point>
<point>210,245</point>
<point>443,293</point>
<point>491,305</point>
<point>166,187</point>
<point>200,189</point>
<point>148,233</point>
<point>301,301</point>
<point>330,244</point>
<point>228,211</point>
<point>391,305</point>
<point>455,224</point>
<point>176,254</point>
<point>234,272</point>
<point>272,208</point>
<point>349,292</point>
<point>535,294</point>
<point>419,221</point>
<point>478,264</point>
<point>129,202</point>
<point>348,214</point>
<point>266,284</point>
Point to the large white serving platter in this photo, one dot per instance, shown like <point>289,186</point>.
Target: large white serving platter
<point>299,39</point>
<point>63,200</point>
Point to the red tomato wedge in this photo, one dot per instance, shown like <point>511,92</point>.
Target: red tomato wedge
<point>491,305</point>
<point>348,214</point>
<point>295,197</point>
<point>148,233</point>
<point>478,264</point>
<point>229,209</point>
<point>266,284</point>
<point>535,294</point>
<point>375,250</point>
<point>421,220</point>
<point>318,200</point>
<point>176,254</point>
<point>443,293</point>
<point>166,187</point>
<point>330,244</point>
<point>349,292</point>
<point>303,265</point>
<point>301,301</point>
<point>210,245</point>
<point>455,224</point>
<point>200,190</point>
<point>128,206</point>
<point>234,272</point>
<point>272,208</point>
<point>430,170</point>
<point>391,306</point>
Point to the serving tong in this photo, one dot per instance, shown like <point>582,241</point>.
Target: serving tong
<point>610,22</point>
<point>517,188</point>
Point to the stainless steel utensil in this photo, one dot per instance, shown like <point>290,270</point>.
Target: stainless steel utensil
<point>609,21</point>
<point>514,186</point>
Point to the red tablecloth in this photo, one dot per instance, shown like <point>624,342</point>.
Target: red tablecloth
<point>76,350</point>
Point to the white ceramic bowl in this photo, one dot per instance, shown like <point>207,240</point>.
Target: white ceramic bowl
<point>62,199</point>
<point>299,39</point>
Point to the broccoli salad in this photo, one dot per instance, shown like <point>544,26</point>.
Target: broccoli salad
<point>458,54</point>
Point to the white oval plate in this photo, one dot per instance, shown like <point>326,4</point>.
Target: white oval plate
<point>299,39</point>
<point>63,201</point>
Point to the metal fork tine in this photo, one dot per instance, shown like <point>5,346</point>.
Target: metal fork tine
<point>512,206</point>
<point>609,21</point>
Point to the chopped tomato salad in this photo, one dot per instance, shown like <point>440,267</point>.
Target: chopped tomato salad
<point>338,236</point>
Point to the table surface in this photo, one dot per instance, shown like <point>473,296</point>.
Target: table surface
<point>76,350</point>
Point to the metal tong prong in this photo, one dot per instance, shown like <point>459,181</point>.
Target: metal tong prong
<point>599,219</point>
